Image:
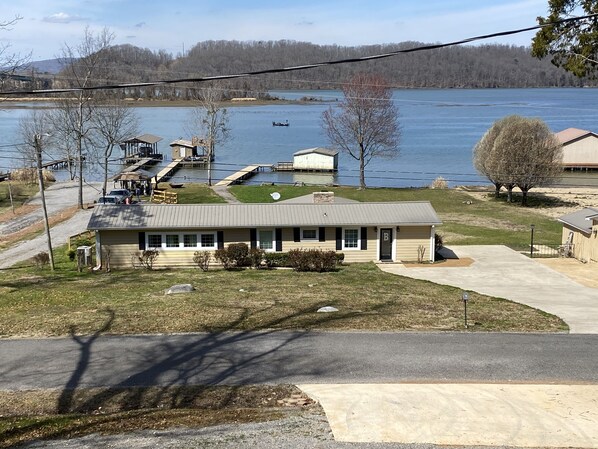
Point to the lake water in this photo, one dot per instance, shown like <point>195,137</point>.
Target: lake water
<point>439,129</point>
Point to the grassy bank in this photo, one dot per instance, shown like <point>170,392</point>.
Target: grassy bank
<point>27,416</point>
<point>21,192</point>
<point>466,220</point>
<point>40,303</point>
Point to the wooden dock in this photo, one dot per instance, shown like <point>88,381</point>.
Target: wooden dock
<point>140,164</point>
<point>61,163</point>
<point>243,174</point>
<point>166,173</point>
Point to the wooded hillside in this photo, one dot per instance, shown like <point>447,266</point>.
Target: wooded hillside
<point>484,66</point>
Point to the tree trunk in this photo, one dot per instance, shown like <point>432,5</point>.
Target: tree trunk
<point>362,185</point>
<point>510,193</point>
<point>80,152</point>
<point>524,197</point>
<point>497,186</point>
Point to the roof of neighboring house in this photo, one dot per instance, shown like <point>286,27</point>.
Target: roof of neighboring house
<point>317,150</point>
<point>202,216</point>
<point>182,143</point>
<point>145,138</point>
<point>571,134</point>
<point>309,199</point>
<point>580,219</point>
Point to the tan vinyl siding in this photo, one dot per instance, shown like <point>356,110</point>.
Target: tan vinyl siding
<point>236,236</point>
<point>409,238</point>
<point>360,255</point>
<point>585,247</point>
<point>288,242</point>
<point>122,244</point>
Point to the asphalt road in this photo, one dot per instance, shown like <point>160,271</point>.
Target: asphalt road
<point>297,357</point>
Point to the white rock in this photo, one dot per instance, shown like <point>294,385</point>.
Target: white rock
<point>179,288</point>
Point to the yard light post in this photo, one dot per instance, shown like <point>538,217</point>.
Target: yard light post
<point>531,246</point>
<point>38,154</point>
<point>465,297</point>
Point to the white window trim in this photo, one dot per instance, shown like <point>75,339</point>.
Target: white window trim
<point>315,239</point>
<point>181,245</point>
<point>258,242</point>
<point>358,248</point>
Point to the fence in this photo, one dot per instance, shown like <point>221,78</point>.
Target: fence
<point>165,196</point>
<point>547,251</point>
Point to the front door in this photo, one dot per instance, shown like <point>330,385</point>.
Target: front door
<point>386,244</point>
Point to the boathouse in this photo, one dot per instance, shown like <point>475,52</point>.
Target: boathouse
<point>316,159</point>
<point>580,149</point>
<point>140,147</point>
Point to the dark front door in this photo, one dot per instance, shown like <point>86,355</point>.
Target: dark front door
<point>385,244</point>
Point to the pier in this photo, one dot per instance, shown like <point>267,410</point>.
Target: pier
<point>243,174</point>
<point>166,173</point>
<point>61,163</point>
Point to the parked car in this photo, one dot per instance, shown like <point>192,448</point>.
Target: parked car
<point>122,194</point>
<point>109,199</point>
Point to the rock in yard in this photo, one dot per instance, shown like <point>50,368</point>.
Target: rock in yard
<point>179,288</point>
<point>327,309</point>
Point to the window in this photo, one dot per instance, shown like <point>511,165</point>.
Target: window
<point>154,241</point>
<point>309,234</point>
<point>190,240</point>
<point>172,240</point>
<point>208,240</point>
<point>351,239</point>
<point>266,240</point>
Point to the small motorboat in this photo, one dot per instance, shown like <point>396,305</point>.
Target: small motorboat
<point>285,123</point>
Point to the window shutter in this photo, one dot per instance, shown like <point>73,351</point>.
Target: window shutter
<point>322,234</point>
<point>142,241</point>
<point>253,238</point>
<point>364,238</point>
<point>339,239</point>
<point>278,237</point>
<point>296,234</point>
<point>220,239</point>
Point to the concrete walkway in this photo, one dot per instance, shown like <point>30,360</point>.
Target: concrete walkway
<point>500,271</point>
<point>462,414</point>
<point>224,193</point>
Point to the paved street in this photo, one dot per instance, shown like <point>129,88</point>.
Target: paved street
<point>296,357</point>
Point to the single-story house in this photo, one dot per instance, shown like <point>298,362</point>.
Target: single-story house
<point>317,159</point>
<point>580,234</point>
<point>580,148</point>
<point>362,231</point>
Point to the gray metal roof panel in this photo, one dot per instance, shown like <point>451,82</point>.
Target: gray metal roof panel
<point>318,150</point>
<point>579,219</point>
<point>202,216</point>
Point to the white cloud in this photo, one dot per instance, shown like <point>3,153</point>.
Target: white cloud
<point>62,17</point>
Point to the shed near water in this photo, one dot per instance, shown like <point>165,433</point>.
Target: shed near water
<point>316,159</point>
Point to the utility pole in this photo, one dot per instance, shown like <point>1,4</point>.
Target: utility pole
<point>38,152</point>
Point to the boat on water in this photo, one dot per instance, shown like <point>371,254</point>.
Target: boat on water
<point>285,123</point>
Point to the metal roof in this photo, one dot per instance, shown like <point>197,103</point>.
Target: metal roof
<point>145,138</point>
<point>182,143</point>
<point>580,220</point>
<point>570,134</point>
<point>317,150</point>
<point>204,216</point>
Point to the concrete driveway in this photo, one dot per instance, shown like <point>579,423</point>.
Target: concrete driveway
<point>500,271</point>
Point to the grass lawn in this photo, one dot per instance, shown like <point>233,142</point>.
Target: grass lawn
<point>21,192</point>
<point>492,222</point>
<point>194,193</point>
<point>35,302</point>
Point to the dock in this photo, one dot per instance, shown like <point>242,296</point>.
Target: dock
<point>61,163</point>
<point>243,174</point>
<point>141,163</point>
<point>166,173</point>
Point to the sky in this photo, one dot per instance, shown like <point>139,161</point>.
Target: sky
<point>175,26</point>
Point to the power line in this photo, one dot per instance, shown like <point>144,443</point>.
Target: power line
<point>301,67</point>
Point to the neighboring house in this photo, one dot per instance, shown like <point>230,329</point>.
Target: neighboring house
<point>580,234</point>
<point>580,148</point>
<point>316,159</point>
<point>362,231</point>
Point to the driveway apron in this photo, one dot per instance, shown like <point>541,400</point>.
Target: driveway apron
<point>499,271</point>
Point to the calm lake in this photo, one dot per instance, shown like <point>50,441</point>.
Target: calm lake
<point>439,129</point>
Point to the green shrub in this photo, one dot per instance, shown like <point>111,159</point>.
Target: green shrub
<point>275,260</point>
<point>41,259</point>
<point>71,253</point>
<point>239,254</point>
<point>222,255</point>
<point>340,258</point>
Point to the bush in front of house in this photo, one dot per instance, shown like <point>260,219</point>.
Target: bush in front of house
<point>148,257</point>
<point>256,257</point>
<point>234,255</point>
<point>312,260</point>
<point>276,260</point>
<point>202,259</point>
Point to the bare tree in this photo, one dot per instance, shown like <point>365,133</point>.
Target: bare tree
<point>9,62</point>
<point>365,124</point>
<point>211,119</point>
<point>112,123</point>
<point>86,62</point>
<point>519,151</point>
